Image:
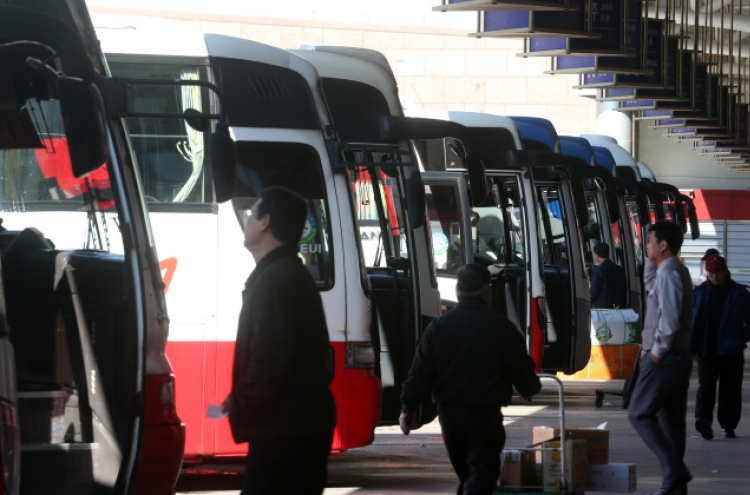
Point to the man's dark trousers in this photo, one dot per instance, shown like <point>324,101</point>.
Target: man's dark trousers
<point>295,465</point>
<point>474,437</point>
<point>658,409</point>
<point>728,370</point>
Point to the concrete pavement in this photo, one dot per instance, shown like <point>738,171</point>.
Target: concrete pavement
<point>396,464</point>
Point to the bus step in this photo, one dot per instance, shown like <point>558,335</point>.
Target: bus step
<point>58,468</point>
<point>49,417</point>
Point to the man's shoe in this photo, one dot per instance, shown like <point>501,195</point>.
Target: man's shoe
<point>675,487</point>
<point>705,430</point>
<point>670,489</point>
<point>729,434</point>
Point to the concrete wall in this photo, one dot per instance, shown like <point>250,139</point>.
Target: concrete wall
<point>436,64</point>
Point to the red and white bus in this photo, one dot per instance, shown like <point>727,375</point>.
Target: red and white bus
<point>360,242</point>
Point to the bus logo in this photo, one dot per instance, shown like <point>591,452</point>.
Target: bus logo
<point>310,230</point>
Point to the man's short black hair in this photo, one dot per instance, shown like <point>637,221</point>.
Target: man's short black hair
<point>601,249</point>
<point>288,212</point>
<point>664,230</point>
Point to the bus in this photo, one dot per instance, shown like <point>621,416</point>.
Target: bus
<point>93,410</point>
<point>563,214</point>
<point>502,221</point>
<point>359,241</point>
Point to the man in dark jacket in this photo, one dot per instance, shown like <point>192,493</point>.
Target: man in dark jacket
<point>469,359</point>
<point>721,330</point>
<point>280,401</point>
<point>608,288</point>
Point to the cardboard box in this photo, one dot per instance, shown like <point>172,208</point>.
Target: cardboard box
<point>609,361</point>
<point>576,466</point>
<point>614,326</point>
<point>518,470</point>
<point>597,441</point>
<point>619,478</point>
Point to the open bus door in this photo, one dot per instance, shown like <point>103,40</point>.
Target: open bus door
<point>448,211</point>
<point>622,237</point>
<point>504,222</point>
<point>388,203</point>
<point>562,213</point>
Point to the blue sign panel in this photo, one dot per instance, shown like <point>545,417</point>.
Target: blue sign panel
<point>669,122</point>
<point>637,103</point>
<point>656,113</point>
<point>504,20</point>
<point>618,93</point>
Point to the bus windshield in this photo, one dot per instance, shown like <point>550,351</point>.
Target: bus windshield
<point>171,155</point>
<point>297,167</point>
<point>36,178</point>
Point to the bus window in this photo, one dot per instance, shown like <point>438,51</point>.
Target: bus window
<point>377,206</point>
<point>296,167</point>
<point>445,226</point>
<point>551,215</point>
<point>591,230</point>
<point>514,216</point>
<point>41,179</point>
<point>171,156</point>
<point>635,229</point>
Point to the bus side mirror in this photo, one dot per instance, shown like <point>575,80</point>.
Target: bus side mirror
<point>415,199</point>
<point>579,201</point>
<point>613,205</point>
<point>477,180</point>
<point>83,116</point>
<point>223,163</point>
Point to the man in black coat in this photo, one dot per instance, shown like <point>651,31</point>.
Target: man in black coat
<point>280,400</point>
<point>469,359</point>
<point>609,286</point>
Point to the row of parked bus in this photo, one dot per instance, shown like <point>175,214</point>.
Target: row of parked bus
<point>104,158</point>
<point>397,203</point>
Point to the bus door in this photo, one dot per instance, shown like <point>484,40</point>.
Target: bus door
<point>501,243</point>
<point>452,229</point>
<point>624,239</point>
<point>392,258</point>
<point>565,279</point>
<point>387,197</point>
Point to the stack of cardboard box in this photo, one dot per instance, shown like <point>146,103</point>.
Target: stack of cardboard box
<point>587,466</point>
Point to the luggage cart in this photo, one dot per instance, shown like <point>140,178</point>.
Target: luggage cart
<point>540,489</point>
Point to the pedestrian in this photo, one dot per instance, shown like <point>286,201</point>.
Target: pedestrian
<point>658,405</point>
<point>608,288</point>
<point>280,400</point>
<point>721,330</point>
<point>709,252</point>
<point>468,360</point>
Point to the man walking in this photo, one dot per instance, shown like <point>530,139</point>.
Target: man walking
<point>658,406</point>
<point>721,330</point>
<point>469,359</point>
<point>608,288</point>
<point>280,401</point>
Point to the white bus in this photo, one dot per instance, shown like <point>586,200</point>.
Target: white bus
<point>285,134</point>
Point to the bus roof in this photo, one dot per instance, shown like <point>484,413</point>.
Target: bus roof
<point>578,147</point>
<point>355,64</point>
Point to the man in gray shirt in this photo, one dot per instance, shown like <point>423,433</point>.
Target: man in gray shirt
<point>658,406</point>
